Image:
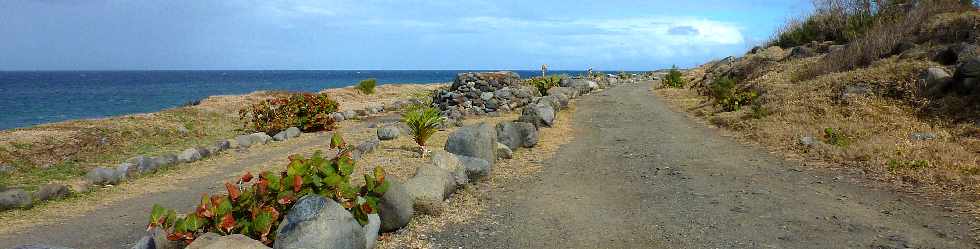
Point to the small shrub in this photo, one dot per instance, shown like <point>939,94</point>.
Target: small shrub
<point>674,78</point>
<point>255,208</point>
<point>307,111</point>
<point>545,83</point>
<point>423,122</point>
<point>895,165</point>
<point>425,98</point>
<point>835,137</point>
<point>726,94</point>
<point>759,111</point>
<point>367,86</point>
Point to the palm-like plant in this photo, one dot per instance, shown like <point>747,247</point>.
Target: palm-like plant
<point>423,122</point>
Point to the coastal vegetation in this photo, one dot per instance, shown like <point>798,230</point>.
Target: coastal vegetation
<point>307,111</point>
<point>544,83</point>
<point>422,122</point>
<point>674,78</point>
<point>367,86</point>
<point>255,208</point>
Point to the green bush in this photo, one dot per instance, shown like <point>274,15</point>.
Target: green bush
<point>545,83</point>
<point>674,78</point>
<point>895,165</point>
<point>727,95</point>
<point>367,86</point>
<point>423,123</point>
<point>836,137</point>
<point>307,111</point>
<point>256,208</point>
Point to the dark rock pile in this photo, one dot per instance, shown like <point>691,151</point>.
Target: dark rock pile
<point>485,93</point>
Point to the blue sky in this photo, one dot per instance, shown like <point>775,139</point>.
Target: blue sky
<point>367,34</point>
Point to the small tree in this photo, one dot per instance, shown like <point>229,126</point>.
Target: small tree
<point>674,78</point>
<point>423,123</point>
<point>367,86</point>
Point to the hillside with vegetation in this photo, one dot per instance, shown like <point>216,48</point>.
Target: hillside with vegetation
<point>888,89</point>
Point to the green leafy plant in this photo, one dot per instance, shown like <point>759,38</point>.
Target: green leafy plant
<point>307,111</point>
<point>727,95</point>
<point>674,78</point>
<point>255,208</point>
<point>367,86</point>
<point>759,111</point>
<point>423,122</point>
<point>895,165</point>
<point>424,98</point>
<point>545,83</point>
<point>836,137</point>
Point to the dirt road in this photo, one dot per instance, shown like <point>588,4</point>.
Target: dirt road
<point>639,175</point>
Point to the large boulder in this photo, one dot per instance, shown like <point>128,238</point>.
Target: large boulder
<point>582,86</point>
<point>215,241</point>
<point>51,191</point>
<point>244,141</point>
<point>189,155</point>
<point>937,80</point>
<point>969,69</point>
<point>449,162</point>
<point>429,187</point>
<point>103,176</point>
<point>475,140</point>
<point>552,101</point>
<point>317,222</point>
<point>164,160</point>
<point>517,134</point>
<point>503,151</point>
<point>396,206</point>
<point>142,164</point>
<point>475,168</point>
<point>293,132</point>
<point>14,198</point>
<point>388,132</point>
<point>281,136</point>
<point>371,230</point>
<point>541,115</point>
<point>259,138</point>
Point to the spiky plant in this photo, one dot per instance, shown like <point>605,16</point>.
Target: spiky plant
<point>423,122</point>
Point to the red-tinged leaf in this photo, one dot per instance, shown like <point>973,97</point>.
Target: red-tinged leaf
<point>297,183</point>
<point>286,200</point>
<point>247,177</point>
<point>227,223</point>
<point>175,236</point>
<point>366,207</point>
<point>232,191</point>
<point>263,187</point>
<point>203,209</point>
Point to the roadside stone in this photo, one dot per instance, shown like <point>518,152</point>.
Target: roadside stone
<point>503,151</point>
<point>371,230</point>
<point>244,141</point>
<point>161,161</point>
<point>808,141</point>
<point>350,114</point>
<point>143,164</point>
<point>552,101</point>
<point>127,170</point>
<point>14,198</point>
<point>338,117</point>
<point>429,187</point>
<point>449,162</point>
<point>232,143</point>
<point>529,134</point>
<point>366,147</point>
<point>214,241</point>
<point>189,155</point>
<point>396,206</point>
<point>517,134</point>
<point>204,151</point>
<point>475,140</point>
<point>281,136</point>
<point>476,168</point>
<point>222,145</point>
<point>388,132</point>
<point>260,138</point>
<point>103,176</point>
<point>922,136</point>
<point>541,115</point>
<point>293,132</point>
<point>317,222</point>
<point>51,191</point>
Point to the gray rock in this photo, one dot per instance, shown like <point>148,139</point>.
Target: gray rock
<point>204,151</point>
<point>552,101</point>
<point>509,134</point>
<point>486,96</point>
<point>317,222</point>
<point>476,168</point>
<point>182,130</point>
<point>541,115</point>
<point>429,187</point>
<point>937,80</point>
<point>293,132</point>
<point>51,191</point>
<point>969,69</point>
<point>809,141</point>
<point>39,246</point>
<point>145,242</point>
<point>371,230</point>
<point>127,170</point>
<point>232,143</point>
<point>222,145</point>
<point>164,160</point>
<point>529,134</point>
<point>922,136</point>
<point>103,176</point>
<point>395,207</point>
<point>14,198</point>
<point>260,138</point>
<point>366,147</point>
<point>281,136</point>
<point>244,141</point>
<point>6,169</point>
<point>388,132</point>
<point>214,241</point>
<point>338,117</point>
<point>582,86</point>
<point>350,114</point>
<point>143,164</point>
<point>189,155</point>
<point>449,162</point>
<point>475,140</point>
<point>503,151</point>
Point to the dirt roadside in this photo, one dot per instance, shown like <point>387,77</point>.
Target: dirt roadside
<point>639,175</point>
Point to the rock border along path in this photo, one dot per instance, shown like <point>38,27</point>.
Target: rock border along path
<point>639,175</point>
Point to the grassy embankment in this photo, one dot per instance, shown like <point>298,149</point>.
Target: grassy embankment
<point>850,79</point>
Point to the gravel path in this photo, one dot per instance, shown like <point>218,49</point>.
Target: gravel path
<point>639,175</point>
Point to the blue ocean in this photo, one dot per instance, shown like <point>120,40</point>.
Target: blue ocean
<point>35,97</point>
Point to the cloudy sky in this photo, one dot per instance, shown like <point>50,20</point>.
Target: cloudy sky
<point>380,34</point>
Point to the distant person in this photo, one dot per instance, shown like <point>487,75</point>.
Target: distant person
<point>544,70</point>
